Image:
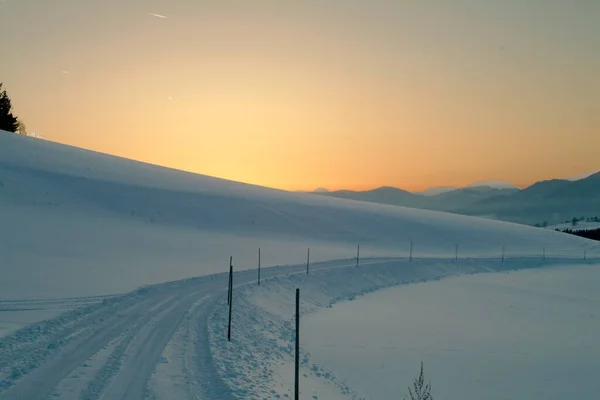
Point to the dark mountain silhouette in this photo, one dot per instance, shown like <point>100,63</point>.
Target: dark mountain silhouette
<point>553,201</point>
<point>383,195</point>
<point>467,197</point>
<point>437,190</point>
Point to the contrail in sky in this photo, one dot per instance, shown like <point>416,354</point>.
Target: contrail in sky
<point>158,15</point>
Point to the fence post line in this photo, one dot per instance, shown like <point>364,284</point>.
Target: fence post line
<point>297,360</point>
<point>230,300</point>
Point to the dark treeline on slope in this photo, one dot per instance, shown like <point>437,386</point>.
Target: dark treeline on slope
<point>8,121</point>
<point>593,234</point>
<point>573,221</point>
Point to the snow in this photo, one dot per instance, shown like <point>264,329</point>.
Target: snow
<point>351,344</point>
<point>112,283</point>
<point>522,335</point>
<point>88,216</point>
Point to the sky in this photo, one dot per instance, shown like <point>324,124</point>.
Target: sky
<point>315,93</point>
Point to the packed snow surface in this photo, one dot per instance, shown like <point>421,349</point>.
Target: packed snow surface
<point>520,335</point>
<point>113,286</point>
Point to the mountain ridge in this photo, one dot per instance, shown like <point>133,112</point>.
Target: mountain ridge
<point>552,201</point>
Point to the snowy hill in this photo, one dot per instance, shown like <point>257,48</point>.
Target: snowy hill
<point>89,216</point>
<point>80,223</point>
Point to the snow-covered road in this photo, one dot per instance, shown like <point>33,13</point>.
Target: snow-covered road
<point>59,358</point>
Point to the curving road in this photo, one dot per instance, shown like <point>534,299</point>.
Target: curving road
<point>133,330</point>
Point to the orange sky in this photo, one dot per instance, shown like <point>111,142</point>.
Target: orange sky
<point>296,95</point>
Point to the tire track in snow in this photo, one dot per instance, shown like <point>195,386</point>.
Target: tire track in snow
<point>37,342</point>
<point>146,348</point>
<point>41,381</point>
<point>211,384</point>
<point>104,377</point>
<point>148,317</point>
<point>173,376</point>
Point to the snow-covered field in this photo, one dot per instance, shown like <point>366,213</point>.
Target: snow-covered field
<point>522,335</point>
<point>533,328</point>
<point>122,256</point>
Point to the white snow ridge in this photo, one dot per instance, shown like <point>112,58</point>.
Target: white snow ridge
<point>114,287</point>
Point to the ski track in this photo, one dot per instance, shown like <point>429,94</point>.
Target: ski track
<point>128,339</point>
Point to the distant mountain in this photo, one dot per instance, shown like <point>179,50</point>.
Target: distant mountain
<point>553,201</point>
<point>321,190</point>
<point>450,201</point>
<point>383,195</point>
<point>498,184</point>
<point>436,190</point>
<point>461,200</point>
<point>582,176</point>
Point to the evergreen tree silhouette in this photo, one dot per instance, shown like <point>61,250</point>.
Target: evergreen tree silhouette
<point>8,122</point>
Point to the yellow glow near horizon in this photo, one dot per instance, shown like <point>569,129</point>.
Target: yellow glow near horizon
<point>345,95</point>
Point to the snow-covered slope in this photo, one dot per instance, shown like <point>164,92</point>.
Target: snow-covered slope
<point>73,220</point>
<point>79,223</point>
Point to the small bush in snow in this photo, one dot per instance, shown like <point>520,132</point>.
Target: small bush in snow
<point>420,390</point>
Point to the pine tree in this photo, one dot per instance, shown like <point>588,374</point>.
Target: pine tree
<point>8,122</point>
